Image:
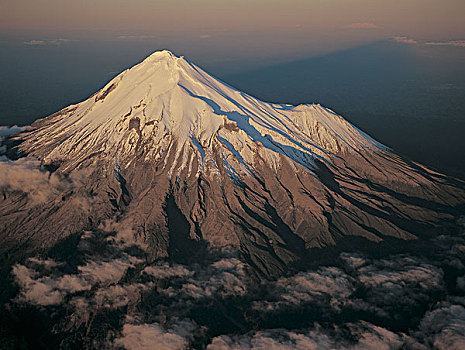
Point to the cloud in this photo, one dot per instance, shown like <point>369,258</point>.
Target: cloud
<point>57,41</point>
<point>411,41</point>
<point>456,43</point>
<point>135,37</point>
<point>398,283</point>
<point>366,335</point>
<point>327,286</point>
<point>116,296</point>
<point>164,270</point>
<point>205,36</point>
<point>361,25</point>
<point>371,337</point>
<point>125,236</point>
<point>444,327</point>
<point>33,291</point>
<point>353,261</point>
<point>11,130</point>
<point>26,175</point>
<point>361,302</point>
<point>60,41</point>
<point>6,131</point>
<point>149,336</point>
<point>106,272</point>
<point>272,339</point>
<point>389,286</point>
<point>51,289</point>
<point>405,40</point>
<point>45,263</point>
<point>35,42</point>
<point>222,278</point>
<point>401,273</point>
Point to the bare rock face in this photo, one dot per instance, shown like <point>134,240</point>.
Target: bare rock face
<point>192,164</point>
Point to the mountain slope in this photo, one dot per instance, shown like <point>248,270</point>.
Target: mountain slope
<point>189,163</point>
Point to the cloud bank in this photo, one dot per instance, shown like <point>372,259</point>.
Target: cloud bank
<point>360,302</point>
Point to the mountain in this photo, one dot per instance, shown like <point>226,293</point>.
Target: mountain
<point>190,164</point>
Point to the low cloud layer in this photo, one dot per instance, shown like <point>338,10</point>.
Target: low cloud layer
<point>360,302</point>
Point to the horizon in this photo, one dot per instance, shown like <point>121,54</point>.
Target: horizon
<point>221,30</point>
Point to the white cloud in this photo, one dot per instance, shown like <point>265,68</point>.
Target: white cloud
<point>444,327</point>
<point>405,40</point>
<point>369,337</point>
<point>7,131</point>
<point>26,175</point>
<point>35,42</point>
<point>105,272</point>
<point>62,41</point>
<point>50,290</point>
<point>411,41</point>
<point>135,37</point>
<point>151,336</point>
<point>10,130</point>
<point>164,270</point>
<point>57,41</point>
<point>225,277</point>
<point>457,43</point>
<point>400,282</point>
<point>46,263</point>
<point>329,286</point>
<point>125,234</point>
<point>116,296</point>
<point>39,292</point>
<point>353,262</point>
<point>155,296</point>
<point>399,275</point>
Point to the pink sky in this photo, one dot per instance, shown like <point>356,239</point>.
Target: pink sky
<point>294,26</point>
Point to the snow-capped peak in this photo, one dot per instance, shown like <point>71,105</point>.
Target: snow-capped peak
<point>162,55</point>
<point>167,104</point>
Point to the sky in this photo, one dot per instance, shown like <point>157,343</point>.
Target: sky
<point>287,29</point>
